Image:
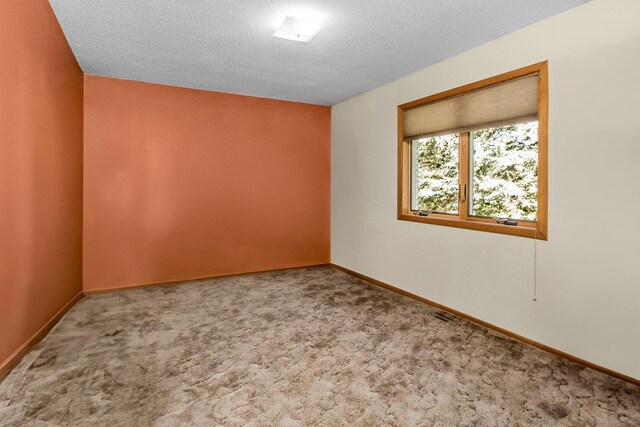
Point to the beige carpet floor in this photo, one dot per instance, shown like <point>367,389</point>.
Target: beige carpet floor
<point>310,346</point>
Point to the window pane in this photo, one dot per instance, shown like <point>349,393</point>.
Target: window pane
<point>435,174</point>
<point>504,172</point>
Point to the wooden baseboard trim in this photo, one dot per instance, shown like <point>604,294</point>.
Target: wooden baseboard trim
<point>195,279</point>
<point>12,361</point>
<point>521,338</point>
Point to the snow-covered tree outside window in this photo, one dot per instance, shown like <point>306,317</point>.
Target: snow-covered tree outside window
<point>503,172</point>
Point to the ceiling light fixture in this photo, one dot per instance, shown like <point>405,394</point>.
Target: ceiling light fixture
<point>298,29</point>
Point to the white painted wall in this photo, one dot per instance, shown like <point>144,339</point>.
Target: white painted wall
<point>589,270</point>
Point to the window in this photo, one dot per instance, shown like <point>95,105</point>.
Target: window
<point>476,156</point>
<point>435,174</point>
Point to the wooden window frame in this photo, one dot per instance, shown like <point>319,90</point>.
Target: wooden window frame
<point>532,229</point>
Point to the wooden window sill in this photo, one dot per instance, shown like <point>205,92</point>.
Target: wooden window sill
<point>476,224</point>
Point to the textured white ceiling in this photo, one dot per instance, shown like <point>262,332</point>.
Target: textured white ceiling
<point>227,45</point>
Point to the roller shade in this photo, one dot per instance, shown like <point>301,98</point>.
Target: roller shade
<point>511,102</point>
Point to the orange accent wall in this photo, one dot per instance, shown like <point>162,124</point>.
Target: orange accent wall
<point>182,183</point>
<point>41,98</point>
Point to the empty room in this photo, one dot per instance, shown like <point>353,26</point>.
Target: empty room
<point>332,213</point>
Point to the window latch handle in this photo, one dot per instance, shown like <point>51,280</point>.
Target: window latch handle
<point>463,196</point>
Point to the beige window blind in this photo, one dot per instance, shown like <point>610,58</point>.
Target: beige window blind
<point>511,102</point>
